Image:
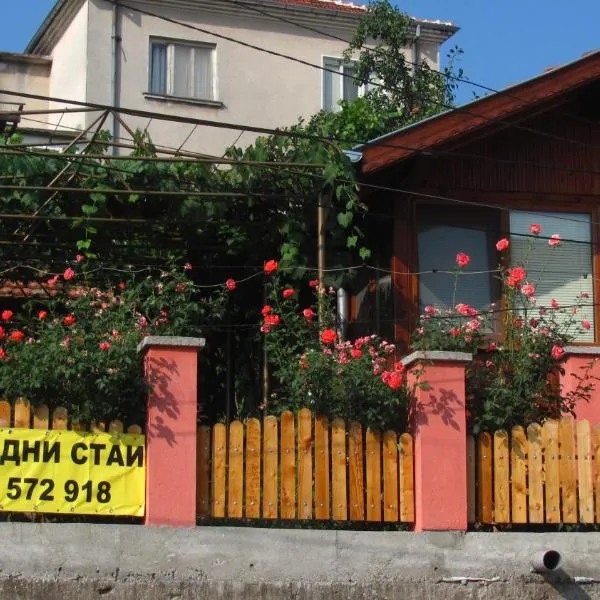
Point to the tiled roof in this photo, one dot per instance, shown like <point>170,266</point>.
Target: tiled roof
<point>330,4</point>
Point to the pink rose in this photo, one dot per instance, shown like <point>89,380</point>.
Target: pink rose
<point>535,228</point>
<point>554,240</point>
<point>462,260</point>
<point>557,352</point>
<point>502,245</point>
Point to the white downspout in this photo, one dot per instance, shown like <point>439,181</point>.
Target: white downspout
<point>115,82</point>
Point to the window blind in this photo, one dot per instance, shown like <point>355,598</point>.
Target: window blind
<point>562,273</point>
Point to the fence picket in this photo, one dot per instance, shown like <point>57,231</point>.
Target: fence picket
<point>536,481</point>
<point>338,471</point>
<point>60,418</point>
<point>115,426</point>
<point>203,472</point>
<point>219,455</point>
<point>94,427</point>
<point>305,475</point>
<point>518,467</point>
<point>321,467</point>
<point>551,470</point>
<point>135,429</point>
<point>501,477</point>
<point>390,476</point>
<point>355,474</point>
<point>407,480</point>
<point>4,414</point>
<point>471,480</point>
<point>253,469</point>
<point>270,468</point>
<point>373,462</point>
<point>235,470</point>
<point>22,413</point>
<point>484,463</point>
<point>41,417</point>
<point>568,483</point>
<point>584,472</point>
<point>288,466</point>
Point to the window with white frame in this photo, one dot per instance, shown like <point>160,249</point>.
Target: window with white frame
<point>338,83</point>
<point>182,70</point>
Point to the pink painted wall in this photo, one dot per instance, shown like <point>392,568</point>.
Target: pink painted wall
<point>438,424</point>
<point>171,435</point>
<point>583,369</point>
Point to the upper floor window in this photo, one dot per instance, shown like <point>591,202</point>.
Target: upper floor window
<point>339,85</point>
<point>182,70</point>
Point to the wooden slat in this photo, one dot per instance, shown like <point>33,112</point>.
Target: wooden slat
<point>288,466</point>
<point>203,472</point>
<point>76,426</point>
<point>584,472</point>
<point>41,417</point>
<point>60,418</point>
<point>339,492</point>
<point>518,468</point>
<point>551,470</point>
<point>252,504</point>
<point>95,427</point>
<point>355,473</point>
<point>219,456</point>
<point>407,479</point>
<point>484,476</point>
<point>270,482</point>
<point>136,429</point>
<point>471,480</point>
<point>115,426</point>
<point>390,477</point>
<point>321,467</point>
<point>501,477</point>
<point>305,477</point>
<point>536,474</point>
<point>373,475</point>
<point>568,482</point>
<point>22,413</point>
<point>235,471</point>
<point>4,413</point>
<point>596,434</point>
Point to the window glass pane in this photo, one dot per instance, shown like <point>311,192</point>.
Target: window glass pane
<point>331,84</point>
<point>443,232</point>
<point>203,77</point>
<point>351,86</point>
<point>182,76</point>
<point>560,273</point>
<point>158,68</point>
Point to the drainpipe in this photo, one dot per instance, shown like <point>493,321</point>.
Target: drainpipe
<point>416,48</point>
<point>546,561</point>
<point>115,80</point>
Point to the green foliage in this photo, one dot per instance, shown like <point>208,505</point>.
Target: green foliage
<point>77,348</point>
<point>314,369</point>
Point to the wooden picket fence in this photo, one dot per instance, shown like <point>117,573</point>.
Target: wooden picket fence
<point>303,467</point>
<point>24,416</point>
<point>545,474</point>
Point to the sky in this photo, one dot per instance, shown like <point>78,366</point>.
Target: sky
<point>504,41</point>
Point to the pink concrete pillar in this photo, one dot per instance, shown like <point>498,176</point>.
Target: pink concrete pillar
<point>171,368</point>
<point>437,421</point>
<point>582,368</point>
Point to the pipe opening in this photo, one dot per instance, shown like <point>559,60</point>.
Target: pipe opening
<point>547,560</point>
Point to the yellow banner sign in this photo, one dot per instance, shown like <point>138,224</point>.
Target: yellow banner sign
<point>72,472</point>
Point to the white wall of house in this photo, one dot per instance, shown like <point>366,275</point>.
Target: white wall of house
<point>70,70</point>
<point>27,74</point>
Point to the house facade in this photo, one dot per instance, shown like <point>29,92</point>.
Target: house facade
<point>201,59</point>
<point>488,170</point>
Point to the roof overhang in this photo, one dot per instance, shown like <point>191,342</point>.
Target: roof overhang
<point>453,124</point>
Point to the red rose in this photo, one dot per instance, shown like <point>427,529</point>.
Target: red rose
<point>70,320</point>
<point>328,336</point>
<point>52,281</point>
<point>271,266</point>
<point>356,353</point>
<point>535,228</point>
<point>16,336</point>
<point>79,258</point>
<point>272,320</point>
<point>42,314</point>
<point>502,245</point>
<point>230,284</point>
<point>395,380</point>
<point>2,353</point>
<point>309,314</point>
<point>266,309</point>
<point>69,274</point>
<point>288,292</point>
<point>557,352</point>
<point>462,260</point>
<point>586,324</point>
<point>314,283</point>
<point>104,346</point>
<point>7,315</point>
<point>554,240</point>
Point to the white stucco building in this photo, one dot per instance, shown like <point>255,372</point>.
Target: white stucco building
<point>184,59</point>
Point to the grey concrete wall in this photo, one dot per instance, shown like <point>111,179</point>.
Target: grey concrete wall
<point>75,561</point>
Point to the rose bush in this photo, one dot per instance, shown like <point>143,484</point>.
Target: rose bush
<point>514,376</point>
<point>77,347</point>
<point>354,380</point>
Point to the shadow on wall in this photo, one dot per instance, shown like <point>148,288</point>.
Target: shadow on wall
<point>159,372</point>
